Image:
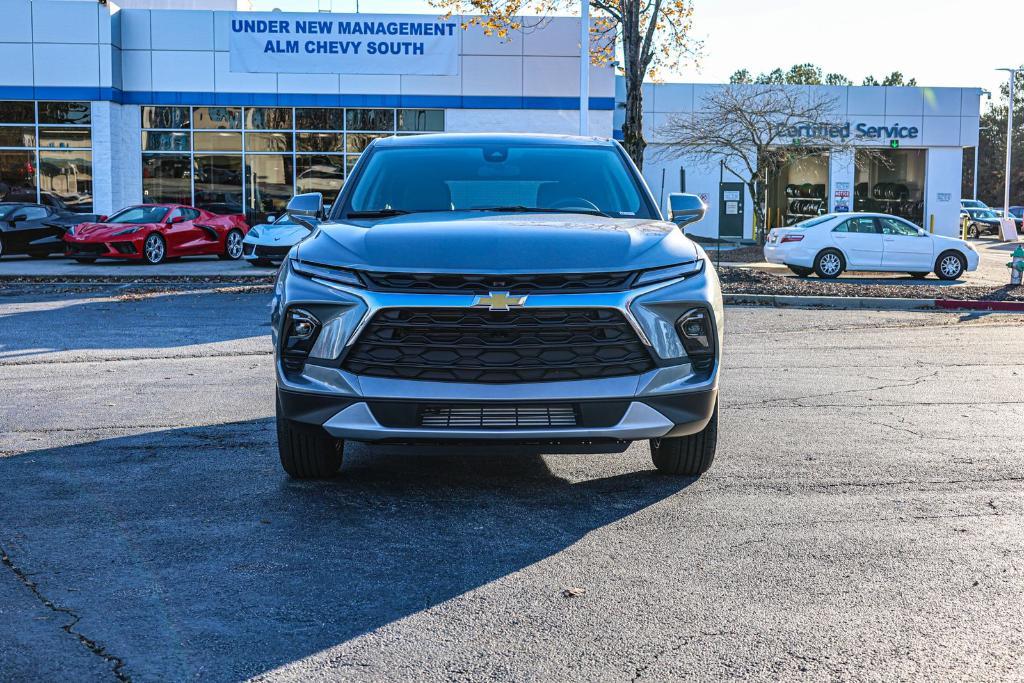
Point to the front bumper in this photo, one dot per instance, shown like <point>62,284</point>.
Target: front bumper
<point>126,247</point>
<point>253,251</point>
<point>606,421</point>
<point>674,398</point>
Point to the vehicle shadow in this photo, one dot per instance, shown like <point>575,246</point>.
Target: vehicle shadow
<point>188,552</point>
<point>156,318</point>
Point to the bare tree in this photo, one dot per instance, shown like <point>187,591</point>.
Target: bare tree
<point>648,34</point>
<point>754,130</point>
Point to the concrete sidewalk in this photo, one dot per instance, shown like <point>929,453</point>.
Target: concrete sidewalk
<point>189,266</point>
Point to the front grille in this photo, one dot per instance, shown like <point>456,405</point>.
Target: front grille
<point>495,347</point>
<point>553,283</point>
<point>90,248</point>
<point>497,416</point>
<point>262,250</point>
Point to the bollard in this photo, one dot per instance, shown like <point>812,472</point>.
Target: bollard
<point>963,227</point>
<point>931,224</point>
<point>1016,266</point>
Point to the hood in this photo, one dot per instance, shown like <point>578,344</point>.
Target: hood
<point>281,233</point>
<point>468,242</point>
<point>100,230</point>
<point>948,241</point>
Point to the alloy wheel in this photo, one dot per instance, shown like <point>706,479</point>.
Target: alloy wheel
<point>950,266</point>
<point>830,264</point>
<point>234,245</point>
<point>154,249</point>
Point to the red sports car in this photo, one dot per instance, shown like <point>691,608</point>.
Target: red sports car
<point>154,232</point>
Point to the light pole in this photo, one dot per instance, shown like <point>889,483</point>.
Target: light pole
<point>1009,142</point>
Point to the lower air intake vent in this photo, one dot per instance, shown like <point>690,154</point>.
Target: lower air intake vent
<point>497,416</point>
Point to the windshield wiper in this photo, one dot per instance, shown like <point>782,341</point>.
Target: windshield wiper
<point>519,208</point>
<point>379,213</point>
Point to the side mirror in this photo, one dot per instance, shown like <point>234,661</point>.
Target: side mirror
<point>101,219</point>
<point>684,209</point>
<point>18,218</point>
<point>308,204</point>
<point>176,220</point>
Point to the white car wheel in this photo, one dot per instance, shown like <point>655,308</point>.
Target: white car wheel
<point>829,264</point>
<point>950,266</point>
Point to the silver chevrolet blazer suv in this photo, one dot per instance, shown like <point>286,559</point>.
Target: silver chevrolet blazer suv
<point>487,290</point>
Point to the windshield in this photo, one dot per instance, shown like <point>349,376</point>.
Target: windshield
<point>982,213</point>
<point>139,214</point>
<point>973,204</point>
<point>498,177</point>
<point>1017,211</point>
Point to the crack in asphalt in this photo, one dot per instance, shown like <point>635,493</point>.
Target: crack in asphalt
<point>913,404</point>
<point>117,663</point>
<point>907,430</point>
<point>639,671</point>
<point>772,402</point>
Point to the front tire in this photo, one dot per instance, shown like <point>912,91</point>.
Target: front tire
<point>950,265</point>
<point>262,263</point>
<point>973,231</point>
<point>829,264</point>
<point>154,249</point>
<point>688,456</point>
<point>800,271</point>
<point>232,246</point>
<point>307,455</point>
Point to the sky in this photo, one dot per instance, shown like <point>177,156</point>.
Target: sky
<point>938,42</point>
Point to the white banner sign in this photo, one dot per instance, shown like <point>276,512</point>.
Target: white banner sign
<point>273,42</point>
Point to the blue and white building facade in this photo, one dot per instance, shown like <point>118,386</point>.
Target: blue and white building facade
<point>104,106</point>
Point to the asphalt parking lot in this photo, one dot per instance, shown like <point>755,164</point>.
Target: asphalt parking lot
<point>863,518</point>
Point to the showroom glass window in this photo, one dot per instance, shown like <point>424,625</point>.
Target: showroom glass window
<point>253,159</point>
<point>46,153</point>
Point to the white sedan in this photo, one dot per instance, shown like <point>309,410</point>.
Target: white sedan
<point>829,244</point>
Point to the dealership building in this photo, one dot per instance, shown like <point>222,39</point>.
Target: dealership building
<point>191,101</point>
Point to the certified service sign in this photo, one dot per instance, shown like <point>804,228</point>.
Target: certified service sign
<point>272,42</point>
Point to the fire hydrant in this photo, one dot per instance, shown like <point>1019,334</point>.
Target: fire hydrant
<point>1016,266</point>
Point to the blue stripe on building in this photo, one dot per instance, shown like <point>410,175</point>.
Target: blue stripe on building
<point>300,99</point>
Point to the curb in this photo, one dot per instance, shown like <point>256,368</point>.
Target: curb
<point>162,279</point>
<point>871,303</point>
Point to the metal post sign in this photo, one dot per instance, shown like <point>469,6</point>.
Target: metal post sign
<point>272,42</point>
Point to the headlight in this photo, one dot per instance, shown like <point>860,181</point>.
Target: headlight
<point>329,273</point>
<point>126,231</point>
<point>254,233</point>
<point>970,246</point>
<point>670,273</point>
<point>71,230</point>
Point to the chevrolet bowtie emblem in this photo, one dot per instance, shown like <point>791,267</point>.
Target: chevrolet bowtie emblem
<point>499,301</point>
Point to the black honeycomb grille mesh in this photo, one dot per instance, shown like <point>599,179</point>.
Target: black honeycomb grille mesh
<point>555,283</point>
<point>525,345</point>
